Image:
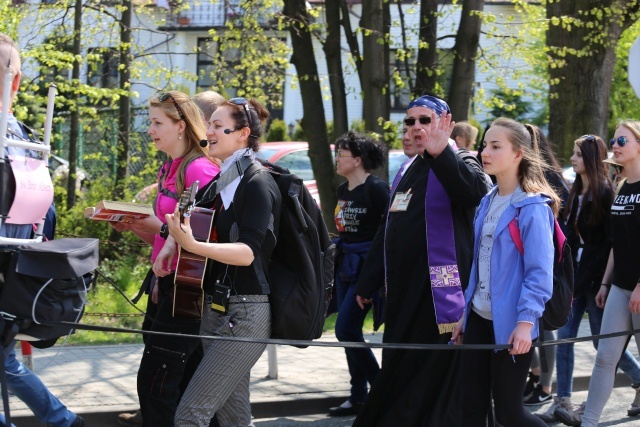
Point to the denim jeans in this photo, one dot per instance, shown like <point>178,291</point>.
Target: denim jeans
<point>363,366</point>
<point>565,354</point>
<point>30,389</point>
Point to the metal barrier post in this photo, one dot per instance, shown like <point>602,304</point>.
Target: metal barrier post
<point>27,354</point>
<point>272,354</point>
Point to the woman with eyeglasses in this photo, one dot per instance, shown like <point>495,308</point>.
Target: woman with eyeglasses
<point>620,287</point>
<point>362,201</point>
<point>176,127</point>
<point>247,205</point>
<point>588,216</point>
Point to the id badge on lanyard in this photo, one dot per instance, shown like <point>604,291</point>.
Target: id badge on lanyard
<point>401,202</point>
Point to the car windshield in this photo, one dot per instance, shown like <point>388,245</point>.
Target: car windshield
<point>266,153</point>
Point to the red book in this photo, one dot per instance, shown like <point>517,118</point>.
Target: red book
<point>118,211</point>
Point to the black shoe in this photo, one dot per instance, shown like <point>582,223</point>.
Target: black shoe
<point>78,422</point>
<point>538,397</point>
<point>531,384</point>
<point>341,411</point>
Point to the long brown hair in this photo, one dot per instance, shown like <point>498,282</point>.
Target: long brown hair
<point>594,151</point>
<point>531,168</point>
<point>194,130</point>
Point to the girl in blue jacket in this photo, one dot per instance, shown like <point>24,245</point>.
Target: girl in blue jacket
<point>507,291</point>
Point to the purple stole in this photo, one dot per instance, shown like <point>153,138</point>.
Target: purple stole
<point>446,289</point>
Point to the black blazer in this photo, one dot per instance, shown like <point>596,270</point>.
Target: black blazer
<point>597,243</point>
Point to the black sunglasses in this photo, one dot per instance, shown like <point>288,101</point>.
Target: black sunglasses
<point>245,105</point>
<point>423,121</point>
<point>163,96</point>
<point>589,137</point>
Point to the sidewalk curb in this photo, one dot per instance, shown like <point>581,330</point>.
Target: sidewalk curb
<point>292,405</point>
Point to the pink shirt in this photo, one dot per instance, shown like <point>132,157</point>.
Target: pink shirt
<point>201,170</point>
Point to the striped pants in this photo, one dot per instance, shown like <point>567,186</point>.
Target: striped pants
<point>221,383</point>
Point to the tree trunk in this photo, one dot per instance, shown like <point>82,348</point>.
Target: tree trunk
<point>580,85</point>
<point>124,104</point>
<point>333,54</point>
<point>313,119</point>
<point>464,62</point>
<point>124,107</point>
<point>375,60</point>
<point>74,131</point>
<point>427,60</point>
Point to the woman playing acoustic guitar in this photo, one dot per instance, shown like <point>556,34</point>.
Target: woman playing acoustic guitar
<point>247,203</point>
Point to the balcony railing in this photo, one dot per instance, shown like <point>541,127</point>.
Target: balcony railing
<point>213,13</point>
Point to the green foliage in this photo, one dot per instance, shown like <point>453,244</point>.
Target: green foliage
<point>510,104</point>
<point>278,131</point>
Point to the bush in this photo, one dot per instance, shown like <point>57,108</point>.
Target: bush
<point>277,131</point>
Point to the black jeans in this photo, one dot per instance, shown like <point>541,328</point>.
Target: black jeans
<point>167,362</point>
<point>488,372</point>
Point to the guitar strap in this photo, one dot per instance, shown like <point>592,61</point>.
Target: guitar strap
<point>224,180</point>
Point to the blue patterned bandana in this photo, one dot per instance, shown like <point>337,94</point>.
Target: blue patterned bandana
<point>431,102</point>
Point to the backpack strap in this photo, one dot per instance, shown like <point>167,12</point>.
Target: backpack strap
<point>165,171</point>
<point>514,231</point>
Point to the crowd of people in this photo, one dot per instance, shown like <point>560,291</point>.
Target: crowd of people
<point>431,248</point>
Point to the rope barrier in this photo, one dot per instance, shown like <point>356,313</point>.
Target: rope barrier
<point>343,344</point>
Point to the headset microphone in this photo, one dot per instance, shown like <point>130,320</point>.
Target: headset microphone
<point>228,131</point>
<point>204,143</point>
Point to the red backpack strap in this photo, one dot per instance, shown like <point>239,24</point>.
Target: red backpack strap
<point>514,231</point>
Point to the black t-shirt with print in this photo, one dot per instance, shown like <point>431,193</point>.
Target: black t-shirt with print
<point>360,210</point>
<point>625,226</point>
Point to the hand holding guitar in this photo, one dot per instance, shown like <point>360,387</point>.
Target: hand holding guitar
<point>180,230</point>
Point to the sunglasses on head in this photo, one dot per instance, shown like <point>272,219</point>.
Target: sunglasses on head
<point>589,137</point>
<point>163,96</point>
<point>245,104</point>
<point>411,121</point>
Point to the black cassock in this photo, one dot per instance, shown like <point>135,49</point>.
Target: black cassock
<point>419,387</point>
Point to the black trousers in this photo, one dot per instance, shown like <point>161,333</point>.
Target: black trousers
<point>168,363</point>
<point>488,372</point>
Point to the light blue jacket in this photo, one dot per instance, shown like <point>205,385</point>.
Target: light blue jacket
<point>520,284</point>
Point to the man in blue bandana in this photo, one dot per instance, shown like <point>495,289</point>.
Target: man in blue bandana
<point>424,252</point>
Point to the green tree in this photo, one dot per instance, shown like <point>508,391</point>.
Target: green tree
<point>581,45</point>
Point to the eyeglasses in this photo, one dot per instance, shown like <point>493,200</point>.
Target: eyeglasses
<point>163,97</point>
<point>341,154</point>
<point>423,121</point>
<point>589,137</point>
<point>245,105</point>
<point>621,140</point>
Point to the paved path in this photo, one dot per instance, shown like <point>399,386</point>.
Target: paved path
<point>102,379</point>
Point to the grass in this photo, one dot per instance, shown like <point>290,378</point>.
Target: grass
<point>108,307</point>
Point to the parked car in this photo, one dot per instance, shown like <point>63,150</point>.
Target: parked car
<point>295,157</point>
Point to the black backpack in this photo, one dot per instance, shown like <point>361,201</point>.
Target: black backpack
<point>300,273</point>
<point>557,309</point>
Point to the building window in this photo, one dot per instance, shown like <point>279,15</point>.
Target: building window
<point>103,68</point>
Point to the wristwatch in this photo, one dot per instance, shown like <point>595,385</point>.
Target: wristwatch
<point>164,231</point>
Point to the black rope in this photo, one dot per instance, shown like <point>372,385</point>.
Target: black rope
<point>343,344</point>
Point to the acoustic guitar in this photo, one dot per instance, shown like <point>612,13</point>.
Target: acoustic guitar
<point>188,293</point>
